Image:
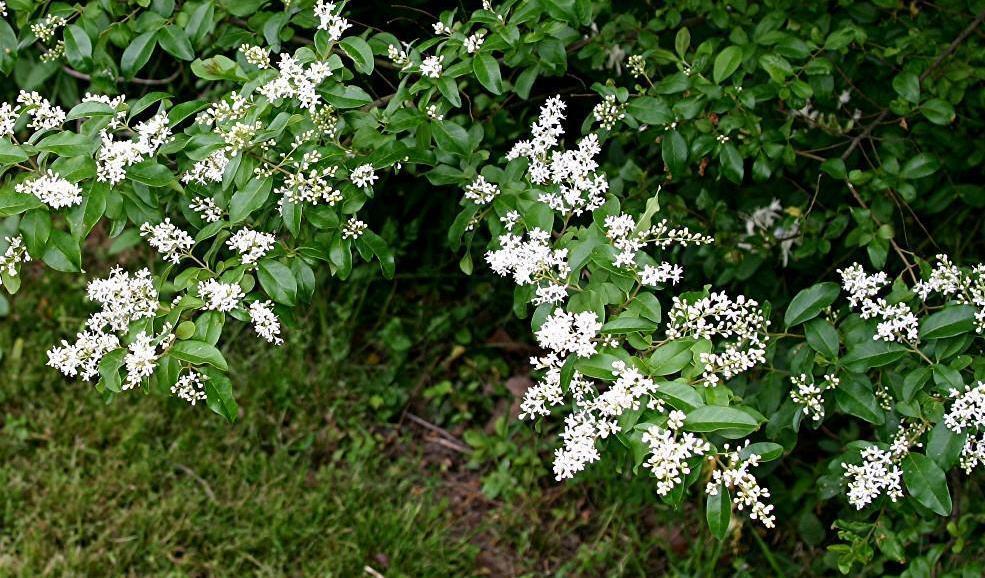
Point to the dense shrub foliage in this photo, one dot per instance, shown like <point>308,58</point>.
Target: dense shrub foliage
<point>746,235</point>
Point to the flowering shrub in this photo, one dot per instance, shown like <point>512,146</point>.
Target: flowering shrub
<point>682,237</point>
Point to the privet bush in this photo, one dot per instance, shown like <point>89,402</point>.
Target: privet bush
<point>746,234</point>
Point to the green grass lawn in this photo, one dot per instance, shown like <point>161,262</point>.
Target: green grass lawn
<point>329,471</point>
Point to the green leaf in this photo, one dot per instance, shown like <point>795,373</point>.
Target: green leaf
<point>855,396</point>
<point>150,173</point>
<point>671,357</point>
<point>726,63</point>
<point>944,446</point>
<point>627,323</point>
<point>711,418</point>
<point>682,41</point>
<point>378,246</point>
<point>78,47</point>
<point>926,482</point>
<point>920,166</point>
<point>35,228</point>
<point>809,303</point>
<point>872,353</point>
<point>278,282</point>
<point>835,167</point>
<point>732,165</point>
<point>109,369</point>
<point>63,253</point>
<point>767,451</point>
<point>673,149</point>
<point>249,198</point>
<point>137,54</point>
<point>950,321</point>
<point>198,353</point>
<point>938,111</point>
<point>174,40</point>
<point>69,144</point>
<point>14,203</point>
<point>346,97</point>
<point>907,85</point>
<point>822,337</point>
<point>718,512</point>
<point>650,110</point>
<point>486,70</point>
<point>360,53</point>
<point>219,396</point>
<point>11,153</point>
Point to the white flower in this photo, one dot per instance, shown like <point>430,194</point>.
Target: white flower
<point>441,28</point>
<point>896,322</point>
<point>125,298</point>
<point>8,118</point>
<point>206,208</point>
<point>190,387</point>
<point>251,245</point>
<point>398,56</point>
<point>810,396</point>
<point>45,29</point>
<point>329,21</point>
<point>115,156</point>
<point>528,261</point>
<point>473,43</point>
<point>876,475</point>
<point>265,322</point>
<point>968,409</point>
<point>296,81</point>
<point>44,115</point>
<point>431,67</point>
<point>565,333</point>
<point>363,176</point>
<point>170,241</point>
<point>480,191</point>
<point>255,55</point>
<point>432,112</point>
<point>353,229</point>
<point>208,170</point>
<point>52,190</point>
<point>661,274</point>
<point>636,65</point>
<point>140,360</point>
<point>669,451</point>
<point>608,112</point>
<point>15,254</point>
<point>220,296</point>
<point>82,357</point>
<point>745,490</point>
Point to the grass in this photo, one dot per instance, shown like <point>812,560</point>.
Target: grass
<point>329,470</point>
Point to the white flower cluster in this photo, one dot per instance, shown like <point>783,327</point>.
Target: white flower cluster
<point>578,187</point>
<point>363,176</point>
<point>967,415</point>
<point>353,228</point>
<point>636,65</point>
<point>170,241</point>
<point>124,299</point>
<point>398,56</point>
<point>474,42</point>
<point>565,333</point>
<point>46,28</point>
<point>608,112</point>
<point>256,55</point>
<point>879,473</point>
<point>744,488</point>
<point>896,322</point>
<point>51,189</point>
<point>251,245</point>
<point>717,315</point>
<point>480,191</point>
<point>206,208</point>
<point>533,261</point>
<point>44,115</point>
<point>220,296</point>
<point>15,254</point>
<point>951,282</point>
<point>265,322</point>
<point>810,395</point>
<point>760,223</point>
<point>329,21</point>
<point>190,387</point>
<point>431,66</point>
<point>622,232</point>
<point>142,355</point>
<point>115,156</point>
<point>670,450</point>
<point>297,81</point>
